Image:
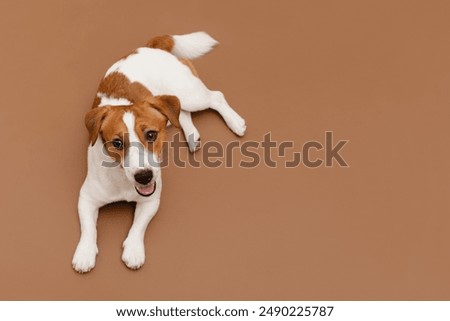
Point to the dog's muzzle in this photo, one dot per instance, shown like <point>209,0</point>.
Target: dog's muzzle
<point>143,178</point>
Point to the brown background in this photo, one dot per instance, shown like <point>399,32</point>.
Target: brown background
<point>375,72</point>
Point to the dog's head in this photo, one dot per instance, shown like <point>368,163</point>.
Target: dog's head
<point>133,136</point>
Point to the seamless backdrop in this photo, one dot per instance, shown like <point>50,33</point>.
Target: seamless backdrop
<point>376,73</point>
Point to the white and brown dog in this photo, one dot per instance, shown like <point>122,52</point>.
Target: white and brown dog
<point>136,99</point>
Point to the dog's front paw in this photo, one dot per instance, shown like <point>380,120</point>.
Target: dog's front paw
<point>133,254</point>
<point>193,141</point>
<point>84,258</point>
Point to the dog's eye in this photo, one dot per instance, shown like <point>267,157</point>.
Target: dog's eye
<point>151,135</point>
<point>117,143</point>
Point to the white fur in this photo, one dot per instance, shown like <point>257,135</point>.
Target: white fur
<point>106,100</point>
<point>193,45</point>
<point>104,185</point>
<point>161,73</point>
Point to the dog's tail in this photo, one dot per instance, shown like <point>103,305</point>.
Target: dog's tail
<point>189,46</point>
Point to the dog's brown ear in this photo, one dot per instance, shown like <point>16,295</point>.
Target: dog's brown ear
<point>169,106</point>
<point>93,121</point>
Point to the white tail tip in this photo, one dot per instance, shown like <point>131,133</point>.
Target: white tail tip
<point>193,45</point>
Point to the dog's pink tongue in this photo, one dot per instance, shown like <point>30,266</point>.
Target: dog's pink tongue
<point>147,189</point>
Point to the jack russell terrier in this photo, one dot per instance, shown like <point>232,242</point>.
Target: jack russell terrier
<point>139,95</point>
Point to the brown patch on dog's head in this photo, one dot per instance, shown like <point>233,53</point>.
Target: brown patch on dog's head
<point>150,117</point>
<point>149,122</point>
<point>117,85</point>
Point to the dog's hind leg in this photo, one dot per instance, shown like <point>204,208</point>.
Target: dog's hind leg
<point>190,132</point>
<point>199,97</point>
<point>235,122</point>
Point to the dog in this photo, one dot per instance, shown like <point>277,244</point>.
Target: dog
<point>139,96</point>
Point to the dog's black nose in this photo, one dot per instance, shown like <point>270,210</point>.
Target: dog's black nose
<point>143,177</point>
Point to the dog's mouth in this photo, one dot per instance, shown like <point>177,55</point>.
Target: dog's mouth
<point>146,190</point>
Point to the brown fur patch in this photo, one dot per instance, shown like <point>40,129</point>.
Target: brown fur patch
<point>96,102</point>
<point>162,42</point>
<point>169,106</point>
<point>93,121</point>
<point>117,85</point>
<point>113,128</point>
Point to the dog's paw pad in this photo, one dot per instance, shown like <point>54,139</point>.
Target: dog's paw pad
<point>133,255</point>
<point>84,258</point>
